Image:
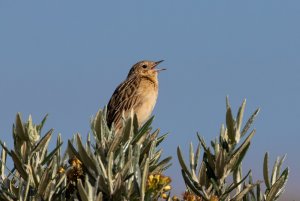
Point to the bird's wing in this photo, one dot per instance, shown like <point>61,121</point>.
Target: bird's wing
<point>124,98</point>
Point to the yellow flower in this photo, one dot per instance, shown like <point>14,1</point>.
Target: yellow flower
<point>165,180</point>
<point>164,196</point>
<point>61,170</point>
<point>214,198</point>
<point>188,196</point>
<point>175,198</point>
<point>75,162</point>
<point>167,188</point>
<point>156,182</point>
<point>75,171</point>
<point>153,182</point>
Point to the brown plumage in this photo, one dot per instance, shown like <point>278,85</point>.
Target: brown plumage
<point>138,93</point>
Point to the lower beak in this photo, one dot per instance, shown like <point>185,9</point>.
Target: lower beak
<point>159,69</point>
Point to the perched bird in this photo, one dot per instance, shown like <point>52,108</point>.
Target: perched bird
<point>138,93</point>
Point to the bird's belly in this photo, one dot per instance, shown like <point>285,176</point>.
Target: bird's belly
<point>146,106</point>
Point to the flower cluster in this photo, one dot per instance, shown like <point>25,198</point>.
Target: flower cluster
<point>74,172</point>
<point>159,184</point>
<point>189,196</point>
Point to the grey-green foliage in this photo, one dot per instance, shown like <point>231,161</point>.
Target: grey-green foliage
<point>113,166</point>
<point>34,176</point>
<point>117,165</point>
<point>223,160</point>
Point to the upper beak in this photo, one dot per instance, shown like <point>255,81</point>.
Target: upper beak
<point>158,62</point>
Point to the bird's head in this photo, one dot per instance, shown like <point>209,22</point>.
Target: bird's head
<point>145,68</point>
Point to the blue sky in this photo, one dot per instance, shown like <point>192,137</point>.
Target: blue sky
<point>65,58</point>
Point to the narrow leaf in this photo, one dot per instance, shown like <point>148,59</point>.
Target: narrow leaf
<point>230,125</point>
<point>83,194</point>
<point>249,122</point>
<point>181,161</point>
<point>19,165</point>
<point>266,171</point>
<point>278,186</point>
<point>43,142</point>
<point>88,162</point>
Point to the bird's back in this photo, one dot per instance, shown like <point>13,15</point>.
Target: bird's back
<point>136,93</point>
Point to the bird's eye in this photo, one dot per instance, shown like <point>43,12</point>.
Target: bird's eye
<point>144,66</point>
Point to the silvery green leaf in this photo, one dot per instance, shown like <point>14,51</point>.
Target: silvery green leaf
<point>278,187</point>
<point>216,146</point>
<point>249,122</point>
<point>135,124</point>
<point>89,189</point>
<point>3,163</point>
<point>232,187</point>
<point>181,161</point>
<point>36,176</point>
<point>202,142</point>
<point>197,155</point>
<point>82,192</point>
<point>152,150</point>
<point>126,167</point>
<point>5,148</point>
<point>43,143</point>
<point>7,196</point>
<point>274,171</point>
<point>230,123</point>
<point>51,154</point>
<point>162,165</point>
<point>202,177</point>
<point>20,193</point>
<point>155,158</point>
<point>88,162</point>
<point>19,165</point>
<point>266,171</point>
<point>208,154</point>
<point>72,151</point>
<point>143,130</point>
<point>109,172</point>
<point>41,125</point>
<point>161,138</point>
<point>27,188</point>
<point>192,163</point>
<point>220,164</point>
<point>279,165</point>
<point>245,190</point>
<point>99,197</point>
<point>258,193</point>
<point>191,184</point>
<point>223,134</point>
<point>144,179</point>
<point>115,143</point>
<point>237,174</point>
<point>32,132</point>
<point>44,181</point>
<point>60,181</point>
<point>239,120</point>
<point>58,142</point>
<point>127,131</point>
<point>240,152</point>
<point>215,185</point>
<point>19,128</point>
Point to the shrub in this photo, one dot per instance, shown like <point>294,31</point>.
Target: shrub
<point>127,166</point>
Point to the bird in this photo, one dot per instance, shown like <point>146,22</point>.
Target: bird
<point>137,93</point>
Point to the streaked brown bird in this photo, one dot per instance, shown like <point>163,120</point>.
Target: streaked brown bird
<point>138,93</point>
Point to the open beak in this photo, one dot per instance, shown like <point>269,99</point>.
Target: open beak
<point>159,69</point>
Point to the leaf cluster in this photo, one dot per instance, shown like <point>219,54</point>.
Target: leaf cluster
<point>219,173</point>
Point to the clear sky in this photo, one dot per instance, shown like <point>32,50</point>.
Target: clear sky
<point>65,58</point>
